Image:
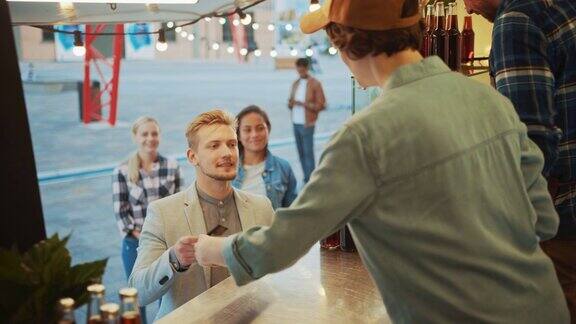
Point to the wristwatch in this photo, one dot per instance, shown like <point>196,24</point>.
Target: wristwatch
<point>175,263</point>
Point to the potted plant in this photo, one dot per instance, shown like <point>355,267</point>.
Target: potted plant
<point>33,282</point>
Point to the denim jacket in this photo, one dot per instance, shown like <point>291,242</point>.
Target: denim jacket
<point>279,180</point>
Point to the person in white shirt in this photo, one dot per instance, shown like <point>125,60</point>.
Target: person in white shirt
<point>306,101</point>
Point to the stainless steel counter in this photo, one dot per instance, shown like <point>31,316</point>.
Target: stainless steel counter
<point>323,287</point>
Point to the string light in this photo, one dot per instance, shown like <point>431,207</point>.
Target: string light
<point>170,24</point>
<point>289,27</point>
<point>257,53</point>
<point>161,44</point>
<point>222,21</point>
<point>78,49</point>
<point>215,46</point>
<point>243,52</point>
<point>208,19</point>
<point>246,20</point>
<point>294,52</point>
<point>314,5</point>
<point>271,27</point>
<point>332,50</point>
<point>184,34</point>
<point>273,53</point>
<point>178,29</point>
<point>236,22</point>
<point>230,49</point>
<point>309,52</point>
<point>191,37</point>
<point>255,26</point>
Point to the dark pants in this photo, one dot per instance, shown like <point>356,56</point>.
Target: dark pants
<point>129,246</point>
<point>563,254</point>
<point>305,143</point>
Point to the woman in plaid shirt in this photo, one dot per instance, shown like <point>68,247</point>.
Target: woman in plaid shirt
<point>143,178</point>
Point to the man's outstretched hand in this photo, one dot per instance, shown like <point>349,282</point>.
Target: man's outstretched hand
<point>208,250</point>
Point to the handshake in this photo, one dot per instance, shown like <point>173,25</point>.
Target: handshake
<point>205,250</point>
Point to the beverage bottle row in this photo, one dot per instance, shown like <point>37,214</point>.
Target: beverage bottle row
<point>341,239</point>
<point>100,312</point>
<point>443,38</point>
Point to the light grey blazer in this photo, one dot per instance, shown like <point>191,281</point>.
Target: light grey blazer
<point>167,220</point>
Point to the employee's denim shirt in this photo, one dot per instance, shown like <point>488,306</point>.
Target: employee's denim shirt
<point>279,180</point>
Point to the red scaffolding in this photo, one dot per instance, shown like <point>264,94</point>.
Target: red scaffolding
<point>96,100</point>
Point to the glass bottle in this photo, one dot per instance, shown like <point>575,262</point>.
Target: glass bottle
<point>467,40</point>
<point>110,313</point>
<point>430,26</point>
<point>96,292</point>
<point>331,242</point>
<point>438,44</point>
<point>66,311</point>
<point>129,311</point>
<point>346,242</point>
<point>453,38</point>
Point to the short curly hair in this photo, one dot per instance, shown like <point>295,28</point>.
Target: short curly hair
<point>358,43</point>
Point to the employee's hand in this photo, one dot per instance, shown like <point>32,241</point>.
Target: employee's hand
<point>184,250</point>
<point>136,234</point>
<point>208,250</point>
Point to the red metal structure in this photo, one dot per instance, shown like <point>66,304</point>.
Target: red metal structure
<point>239,36</point>
<point>93,102</point>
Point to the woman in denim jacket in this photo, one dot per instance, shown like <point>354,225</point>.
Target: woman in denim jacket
<point>259,171</point>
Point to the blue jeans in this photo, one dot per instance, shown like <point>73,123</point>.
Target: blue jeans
<point>129,246</point>
<point>305,142</point>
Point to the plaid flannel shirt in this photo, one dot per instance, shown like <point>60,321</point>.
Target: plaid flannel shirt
<point>533,63</point>
<point>130,199</point>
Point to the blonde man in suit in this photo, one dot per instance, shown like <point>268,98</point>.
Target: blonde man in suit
<point>165,267</point>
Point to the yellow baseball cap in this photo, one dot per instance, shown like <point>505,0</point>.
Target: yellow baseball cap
<point>361,14</point>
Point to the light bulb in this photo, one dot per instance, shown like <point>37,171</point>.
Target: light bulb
<point>191,37</point>
<point>309,52</point>
<point>332,50</point>
<point>235,22</point>
<point>289,27</point>
<point>230,49</point>
<point>170,24</point>
<point>257,53</point>
<point>215,46</point>
<point>184,34</point>
<point>294,52</point>
<point>222,21</point>
<point>255,26</point>
<point>161,46</point>
<point>208,19</point>
<point>271,27</point>
<point>178,29</point>
<point>79,50</point>
<point>313,7</point>
<point>243,52</point>
<point>273,53</point>
<point>246,20</point>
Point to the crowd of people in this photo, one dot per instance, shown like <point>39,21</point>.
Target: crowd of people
<point>460,196</point>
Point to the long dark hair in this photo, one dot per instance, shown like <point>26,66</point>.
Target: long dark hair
<point>248,110</point>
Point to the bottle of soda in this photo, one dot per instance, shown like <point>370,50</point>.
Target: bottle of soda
<point>129,311</point>
<point>438,44</point>
<point>346,241</point>
<point>453,38</point>
<point>331,242</point>
<point>66,311</point>
<point>110,313</point>
<point>467,40</point>
<point>430,26</point>
<point>96,292</point>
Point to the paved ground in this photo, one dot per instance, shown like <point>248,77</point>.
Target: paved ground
<point>173,92</point>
